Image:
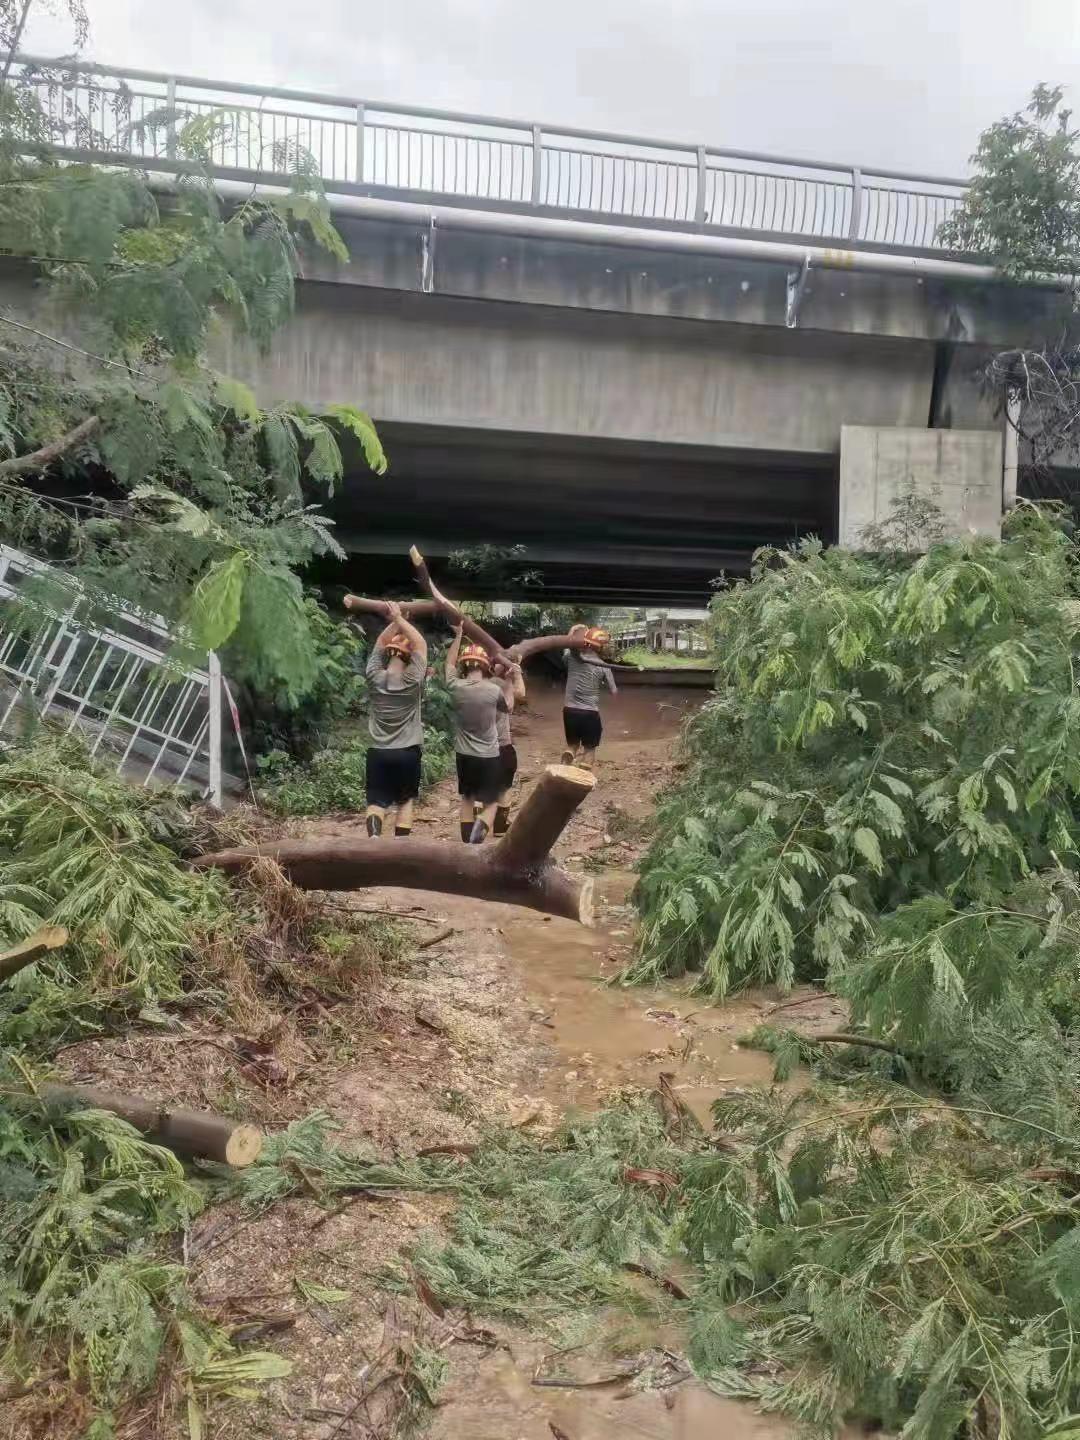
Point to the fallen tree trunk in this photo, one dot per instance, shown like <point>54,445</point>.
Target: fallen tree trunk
<point>195,1133</point>
<point>469,626</point>
<point>517,871</point>
<point>48,937</point>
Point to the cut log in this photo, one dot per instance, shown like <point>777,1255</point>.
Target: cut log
<point>48,937</point>
<point>517,871</point>
<point>192,1133</point>
<point>524,649</point>
<point>411,609</point>
<point>469,626</point>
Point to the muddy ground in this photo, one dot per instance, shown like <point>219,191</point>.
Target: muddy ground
<point>507,1017</point>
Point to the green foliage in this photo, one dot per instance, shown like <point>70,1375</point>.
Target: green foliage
<point>85,850</point>
<point>84,1199</point>
<point>887,729</point>
<point>889,1263</point>
<point>209,514</point>
<point>1022,207</point>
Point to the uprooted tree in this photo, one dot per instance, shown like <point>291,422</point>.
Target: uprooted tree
<point>518,870</point>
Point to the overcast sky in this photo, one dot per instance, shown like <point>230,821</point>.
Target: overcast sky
<point>903,84</point>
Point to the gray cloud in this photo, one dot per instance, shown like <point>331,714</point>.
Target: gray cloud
<point>907,84</point>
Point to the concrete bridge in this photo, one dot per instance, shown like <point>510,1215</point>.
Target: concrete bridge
<point>583,344</point>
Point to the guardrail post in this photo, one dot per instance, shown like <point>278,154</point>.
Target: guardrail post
<point>359,144</point>
<point>856,207</point>
<point>702,176</point>
<point>170,131</point>
<point>213,734</point>
<point>537,161</point>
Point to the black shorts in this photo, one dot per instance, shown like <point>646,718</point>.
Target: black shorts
<point>393,776</point>
<point>480,777</point>
<point>582,727</point>
<point>508,762</point>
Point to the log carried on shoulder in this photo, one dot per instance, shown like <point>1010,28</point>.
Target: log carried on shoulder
<point>187,1132</point>
<point>469,626</point>
<point>48,937</point>
<point>518,870</point>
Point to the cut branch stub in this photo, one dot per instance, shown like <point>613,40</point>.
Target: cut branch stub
<point>193,1133</point>
<point>48,937</point>
<point>517,871</point>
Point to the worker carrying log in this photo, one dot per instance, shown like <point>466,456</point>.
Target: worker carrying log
<point>396,670</point>
<point>586,673</point>
<point>510,678</point>
<point>477,700</point>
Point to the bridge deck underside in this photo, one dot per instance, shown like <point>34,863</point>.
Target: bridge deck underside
<point>604,521</point>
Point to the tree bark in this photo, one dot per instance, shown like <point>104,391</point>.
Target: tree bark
<point>517,871</point>
<point>38,459</point>
<point>187,1132</point>
<point>48,937</point>
<point>411,609</point>
<point>525,649</point>
<point>470,627</point>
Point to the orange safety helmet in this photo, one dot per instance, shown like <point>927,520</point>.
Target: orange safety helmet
<point>596,637</point>
<point>399,645</point>
<point>475,655</point>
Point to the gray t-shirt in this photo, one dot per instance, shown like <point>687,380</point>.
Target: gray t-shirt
<point>394,703</point>
<point>585,673</point>
<point>476,704</point>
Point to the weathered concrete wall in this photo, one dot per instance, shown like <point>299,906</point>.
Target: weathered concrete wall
<point>427,359</point>
<point>958,470</point>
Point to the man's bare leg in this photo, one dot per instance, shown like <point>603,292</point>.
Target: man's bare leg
<point>502,814</point>
<point>403,820</point>
<point>482,824</point>
<point>466,816</point>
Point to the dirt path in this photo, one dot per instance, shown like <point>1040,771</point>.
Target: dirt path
<point>532,1030</point>
<point>506,1019</point>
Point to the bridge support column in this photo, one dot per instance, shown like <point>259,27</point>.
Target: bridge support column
<point>958,471</point>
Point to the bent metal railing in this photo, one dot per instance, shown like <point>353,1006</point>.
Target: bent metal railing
<point>367,147</point>
<point>108,671</point>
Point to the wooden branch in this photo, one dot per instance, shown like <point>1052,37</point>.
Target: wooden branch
<point>48,937</point>
<point>867,1040</point>
<point>188,1132</point>
<point>411,609</point>
<point>39,459</point>
<point>517,871</point>
<point>470,627</point>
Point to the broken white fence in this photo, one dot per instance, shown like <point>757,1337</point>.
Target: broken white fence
<point>109,671</point>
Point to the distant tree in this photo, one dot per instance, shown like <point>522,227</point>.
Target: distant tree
<point>1022,207</point>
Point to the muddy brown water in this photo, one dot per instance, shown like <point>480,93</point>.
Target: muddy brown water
<point>598,1038</point>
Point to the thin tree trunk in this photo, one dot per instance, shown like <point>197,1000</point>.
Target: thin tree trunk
<point>188,1132</point>
<point>517,871</point>
<point>10,56</point>
<point>411,609</point>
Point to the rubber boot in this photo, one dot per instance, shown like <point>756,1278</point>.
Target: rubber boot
<point>479,832</point>
<point>466,830</point>
<point>502,820</point>
<point>374,826</point>
<point>567,757</point>
<point>400,830</point>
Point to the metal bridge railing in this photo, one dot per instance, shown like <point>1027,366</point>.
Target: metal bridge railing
<point>358,146</point>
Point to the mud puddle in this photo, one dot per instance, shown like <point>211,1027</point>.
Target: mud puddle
<point>602,1037</point>
<point>495,1399</point>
